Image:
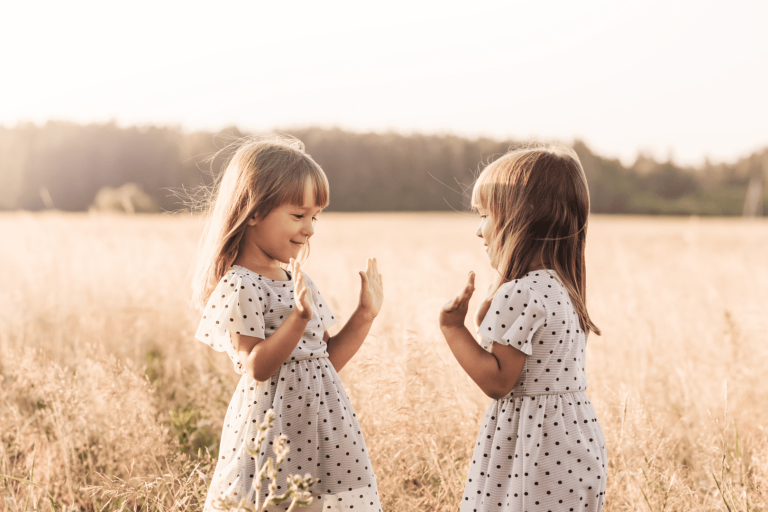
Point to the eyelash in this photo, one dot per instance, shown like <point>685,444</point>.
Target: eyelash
<point>314,219</point>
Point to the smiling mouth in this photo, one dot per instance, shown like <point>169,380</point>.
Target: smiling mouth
<point>297,243</point>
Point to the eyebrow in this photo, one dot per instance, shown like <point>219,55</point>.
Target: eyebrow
<point>306,208</point>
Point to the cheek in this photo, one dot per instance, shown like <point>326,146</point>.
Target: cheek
<point>486,230</point>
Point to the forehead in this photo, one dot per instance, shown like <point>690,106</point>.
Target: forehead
<point>478,198</point>
<point>308,199</point>
<point>482,184</point>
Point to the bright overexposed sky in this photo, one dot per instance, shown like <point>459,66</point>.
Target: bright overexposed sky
<point>686,79</point>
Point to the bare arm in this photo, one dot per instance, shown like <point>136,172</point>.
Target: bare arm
<point>261,358</point>
<point>494,372</point>
<point>343,346</point>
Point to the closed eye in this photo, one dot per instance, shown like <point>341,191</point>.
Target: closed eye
<point>299,216</point>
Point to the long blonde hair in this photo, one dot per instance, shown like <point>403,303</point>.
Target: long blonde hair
<point>539,201</point>
<point>262,174</point>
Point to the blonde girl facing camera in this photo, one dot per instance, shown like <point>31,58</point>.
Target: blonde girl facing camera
<point>269,317</point>
<point>540,447</point>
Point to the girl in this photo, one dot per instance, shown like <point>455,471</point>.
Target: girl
<point>541,447</point>
<point>273,323</point>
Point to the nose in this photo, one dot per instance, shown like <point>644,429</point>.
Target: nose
<point>479,231</point>
<point>308,229</point>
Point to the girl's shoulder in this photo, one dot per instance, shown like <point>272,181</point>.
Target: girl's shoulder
<point>514,316</point>
<point>522,293</point>
<point>235,305</point>
<point>516,288</point>
<point>248,275</point>
<point>235,279</point>
<point>238,282</point>
<point>535,281</point>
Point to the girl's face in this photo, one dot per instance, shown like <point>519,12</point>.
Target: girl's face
<point>284,231</point>
<point>484,230</point>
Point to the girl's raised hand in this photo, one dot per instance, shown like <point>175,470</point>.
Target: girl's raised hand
<point>371,290</point>
<point>303,306</point>
<point>455,311</point>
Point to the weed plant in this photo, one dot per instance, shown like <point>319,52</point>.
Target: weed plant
<point>108,403</point>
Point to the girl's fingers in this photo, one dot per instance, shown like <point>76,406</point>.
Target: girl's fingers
<point>462,298</point>
<point>303,296</point>
<point>470,288</point>
<point>364,278</point>
<point>465,296</point>
<point>299,283</point>
<point>467,292</point>
<point>301,301</point>
<point>376,269</point>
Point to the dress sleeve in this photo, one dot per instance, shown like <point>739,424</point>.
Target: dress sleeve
<point>236,305</point>
<point>321,306</point>
<point>516,313</point>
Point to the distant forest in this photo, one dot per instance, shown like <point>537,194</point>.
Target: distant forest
<point>64,166</point>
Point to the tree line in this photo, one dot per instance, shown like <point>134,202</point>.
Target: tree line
<point>64,165</point>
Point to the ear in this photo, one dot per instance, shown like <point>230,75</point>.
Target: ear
<point>252,221</point>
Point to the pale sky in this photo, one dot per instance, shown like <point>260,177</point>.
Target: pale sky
<point>682,78</point>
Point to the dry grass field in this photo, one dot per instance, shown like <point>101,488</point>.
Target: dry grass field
<point>107,402</point>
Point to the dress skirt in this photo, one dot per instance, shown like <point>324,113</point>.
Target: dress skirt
<point>538,453</point>
<point>312,409</point>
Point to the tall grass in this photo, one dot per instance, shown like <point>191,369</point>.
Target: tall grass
<point>108,403</point>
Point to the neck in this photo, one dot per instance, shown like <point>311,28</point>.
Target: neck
<point>253,258</point>
<point>274,272</point>
<point>538,264</point>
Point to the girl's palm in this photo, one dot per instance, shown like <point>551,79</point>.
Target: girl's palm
<point>300,292</point>
<point>371,289</point>
<point>455,311</point>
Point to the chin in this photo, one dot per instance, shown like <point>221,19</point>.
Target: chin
<point>294,255</point>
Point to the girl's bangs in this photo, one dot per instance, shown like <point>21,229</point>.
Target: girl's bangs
<point>481,190</point>
<point>320,187</point>
<point>295,187</point>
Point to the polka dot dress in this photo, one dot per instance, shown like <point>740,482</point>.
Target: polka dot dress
<point>310,403</point>
<point>541,447</point>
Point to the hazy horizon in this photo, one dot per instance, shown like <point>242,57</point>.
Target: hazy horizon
<point>684,80</point>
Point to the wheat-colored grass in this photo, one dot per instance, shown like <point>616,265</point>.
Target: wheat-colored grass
<point>107,401</point>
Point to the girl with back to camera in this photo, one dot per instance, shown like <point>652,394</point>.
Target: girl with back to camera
<point>273,323</point>
<point>540,447</point>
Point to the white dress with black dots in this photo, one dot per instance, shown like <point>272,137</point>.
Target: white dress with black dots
<point>541,447</point>
<point>310,403</point>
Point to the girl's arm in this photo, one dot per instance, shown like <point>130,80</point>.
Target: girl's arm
<point>347,342</point>
<point>261,358</point>
<point>495,372</point>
